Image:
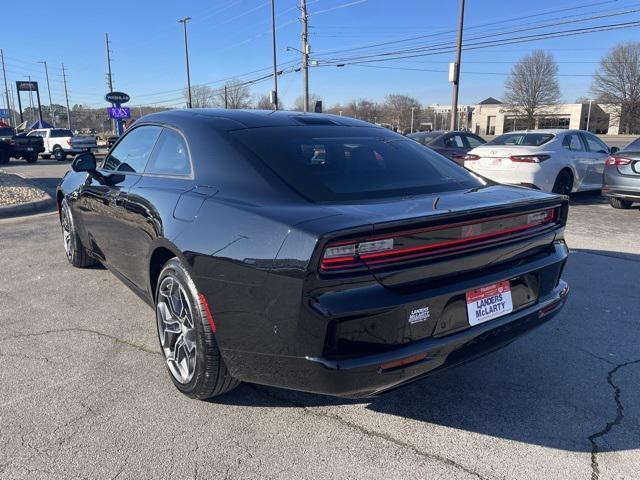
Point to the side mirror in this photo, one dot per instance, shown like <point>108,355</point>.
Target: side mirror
<point>614,150</point>
<point>84,162</point>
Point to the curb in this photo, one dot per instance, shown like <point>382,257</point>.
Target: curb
<point>27,208</point>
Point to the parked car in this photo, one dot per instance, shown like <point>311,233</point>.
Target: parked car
<point>622,176</point>
<point>111,140</point>
<point>61,142</point>
<point>18,146</point>
<point>558,161</point>
<point>311,252</point>
<point>453,145</point>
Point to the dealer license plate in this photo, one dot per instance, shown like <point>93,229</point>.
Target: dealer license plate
<point>29,149</point>
<point>489,302</point>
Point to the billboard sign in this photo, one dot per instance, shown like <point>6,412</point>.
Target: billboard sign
<point>117,97</point>
<point>119,113</point>
<point>25,86</point>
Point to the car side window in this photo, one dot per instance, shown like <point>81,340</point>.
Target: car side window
<point>170,156</point>
<point>572,142</point>
<point>595,145</point>
<point>454,141</point>
<point>133,151</point>
<point>473,141</point>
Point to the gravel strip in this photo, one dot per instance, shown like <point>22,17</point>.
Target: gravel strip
<point>15,190</point>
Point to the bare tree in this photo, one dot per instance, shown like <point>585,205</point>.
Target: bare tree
<point>201,96</point>
<point>264,103</point>
<point>397,110</point>
<point>364,109</point>
<point>532,86</point>
<point>299,103</point>
<point>617,82</point>
<point>237,95</point>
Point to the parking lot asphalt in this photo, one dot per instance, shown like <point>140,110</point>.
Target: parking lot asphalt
<point>84,392</point>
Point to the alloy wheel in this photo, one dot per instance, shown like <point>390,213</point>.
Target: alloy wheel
<point>66,232</point>
<point>176,329</point>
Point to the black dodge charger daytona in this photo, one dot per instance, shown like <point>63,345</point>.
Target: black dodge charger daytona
<point>310,251</point>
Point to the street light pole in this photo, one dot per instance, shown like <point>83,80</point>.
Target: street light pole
<point>275,60</point>
<point>184,21</point>
<point>46,73</point>
<point>454,69</point>
<point>589,115</point>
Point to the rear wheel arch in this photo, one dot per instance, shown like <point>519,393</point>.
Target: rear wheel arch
<point>159,258</point>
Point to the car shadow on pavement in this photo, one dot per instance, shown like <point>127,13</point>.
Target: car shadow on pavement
<point>588,198</point>
<point>564,386</point>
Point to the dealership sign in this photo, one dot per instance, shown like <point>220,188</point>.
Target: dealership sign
<point>24,86</point>
<point>5,113</point>
<point>119,113</point>
<point>117,97</point>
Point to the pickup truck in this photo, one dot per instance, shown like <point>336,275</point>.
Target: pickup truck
<point>18,146</point>
<point>60,142</point>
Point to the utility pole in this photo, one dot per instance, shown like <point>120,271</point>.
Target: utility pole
<point>304,18</point>
<point>226,103</point>
<point>589,115</point>
<point>454,69</point>
<point>66,96</point>
<point>275,61</point>
<point>114,124</point>
<point>6,88</point>
<point>46,73</point>
<point>184,21</point>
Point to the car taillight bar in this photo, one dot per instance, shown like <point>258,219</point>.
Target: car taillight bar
<point>617,160</point>
<point>529,158</point>
<point>471,157</point>
<point>412,244</point>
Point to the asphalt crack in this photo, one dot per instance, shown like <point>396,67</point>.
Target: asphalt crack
<point>595,468</point>
<point>83,330</point>
<point>372,433</point>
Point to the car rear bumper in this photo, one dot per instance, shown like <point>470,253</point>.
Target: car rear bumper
<point>529,175</point>
<point>369,374</point>
<point>621,186</point>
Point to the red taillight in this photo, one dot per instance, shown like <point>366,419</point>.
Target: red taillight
<point>529,158</point>
<point>471,157</point>
<point>412,244</point>
<point>617,160</point>
<point>403,362</point>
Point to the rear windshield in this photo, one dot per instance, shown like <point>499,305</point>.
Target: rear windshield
<point>526,139</point>
<point>6,132</point>
<point>59,132</point>
<point>425,137</point>
<point>335,163</point>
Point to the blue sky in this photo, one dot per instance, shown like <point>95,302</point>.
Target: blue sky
<point>231,38</point>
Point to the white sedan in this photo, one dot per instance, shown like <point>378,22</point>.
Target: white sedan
<point>559,161</point>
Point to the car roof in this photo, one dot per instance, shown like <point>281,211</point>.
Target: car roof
<point>554,131</point>
<point>226,119</point>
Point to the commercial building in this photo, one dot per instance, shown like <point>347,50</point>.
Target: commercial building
<point>492,117</point>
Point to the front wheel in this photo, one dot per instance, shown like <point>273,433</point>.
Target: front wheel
<point>59,154</point>
<point>564,183</point>
<point>33,158</point>
<point>620,203</point>
<point>76,253</point>
<point>187,340</point>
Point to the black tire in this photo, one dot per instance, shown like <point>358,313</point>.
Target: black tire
<point>33,158</point>
<point>59,154</point>
<point>210,376</point>
<point>46,156</point>
<point>4,157</point>
<point>76,253</point>
<point>620,203</point>
<point>564,183</point>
